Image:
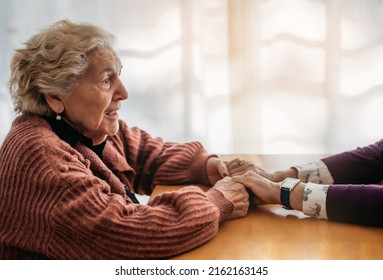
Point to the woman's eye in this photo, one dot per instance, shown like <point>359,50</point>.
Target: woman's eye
<point>106,82</point>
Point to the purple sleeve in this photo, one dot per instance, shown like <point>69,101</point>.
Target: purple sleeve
<point>354,198</point>
<point>359,166</point>
<point>357,204</point>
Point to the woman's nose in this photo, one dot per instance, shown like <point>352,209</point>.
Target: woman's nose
<point>121,91</point>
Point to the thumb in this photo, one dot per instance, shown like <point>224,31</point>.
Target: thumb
<point>222,169</point>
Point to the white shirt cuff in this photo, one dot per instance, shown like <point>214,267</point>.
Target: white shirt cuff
<point>314,200</point>
<point>315,172</point>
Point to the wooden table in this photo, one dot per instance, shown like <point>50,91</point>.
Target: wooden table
<point>273,233</point>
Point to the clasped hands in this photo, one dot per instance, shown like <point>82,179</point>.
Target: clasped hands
<point>241,178</point>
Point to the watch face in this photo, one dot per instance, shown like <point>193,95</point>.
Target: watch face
<point>289,183</point>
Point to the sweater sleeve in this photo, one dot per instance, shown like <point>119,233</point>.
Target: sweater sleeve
<point>158,162</point>
<point>90,222</point>
<point>354,197</point>
<point>358,204</point>
<point>360,166</point>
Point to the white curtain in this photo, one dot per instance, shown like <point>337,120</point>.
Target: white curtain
<point>241,76</point>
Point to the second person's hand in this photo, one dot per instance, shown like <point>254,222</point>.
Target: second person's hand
<point>239,166</point>
<point>265,191</point>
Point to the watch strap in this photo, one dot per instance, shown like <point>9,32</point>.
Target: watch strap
<point>286,186</point>
<point>285,198</point>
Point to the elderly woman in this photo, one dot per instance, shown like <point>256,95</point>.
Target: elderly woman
<point>69,167</point>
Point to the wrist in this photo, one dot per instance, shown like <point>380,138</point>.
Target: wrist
<point>289,193</point>
<point>279,176</point>
<point>296,196</point>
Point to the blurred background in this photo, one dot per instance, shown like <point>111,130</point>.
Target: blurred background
<point>241,76</point>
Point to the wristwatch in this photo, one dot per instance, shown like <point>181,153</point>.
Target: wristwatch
<point>286,186</point>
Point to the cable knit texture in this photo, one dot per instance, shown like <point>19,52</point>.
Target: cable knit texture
<point>59,202</point>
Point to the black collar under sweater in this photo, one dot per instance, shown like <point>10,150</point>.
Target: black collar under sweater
<point>70,135</point>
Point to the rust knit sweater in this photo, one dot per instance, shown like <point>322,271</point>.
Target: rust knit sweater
<point>60,202</point>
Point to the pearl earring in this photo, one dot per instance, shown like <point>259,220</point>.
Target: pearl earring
<point>58,117</point>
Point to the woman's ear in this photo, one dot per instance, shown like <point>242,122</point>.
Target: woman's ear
<point>55,103</point>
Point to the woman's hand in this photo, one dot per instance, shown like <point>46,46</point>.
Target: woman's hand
<point>237,194</point>
<point>216,170</point>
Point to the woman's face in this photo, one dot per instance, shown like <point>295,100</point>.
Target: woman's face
<point>92,107</point>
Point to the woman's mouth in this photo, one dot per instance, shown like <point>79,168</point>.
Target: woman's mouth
<point>111,115</point>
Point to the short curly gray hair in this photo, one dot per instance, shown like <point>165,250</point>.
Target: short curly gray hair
<point>51,63</point>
